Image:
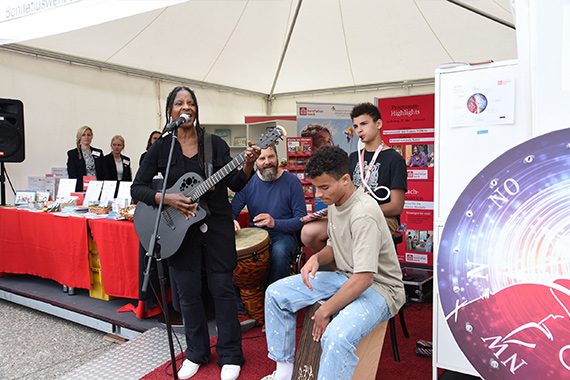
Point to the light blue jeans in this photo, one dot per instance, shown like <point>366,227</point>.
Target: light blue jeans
<point>338,360</point>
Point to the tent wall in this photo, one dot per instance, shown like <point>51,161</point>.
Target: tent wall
<point>287,105</point>
<point>60,97</point>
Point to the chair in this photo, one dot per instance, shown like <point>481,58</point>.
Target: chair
<point>397,238</point>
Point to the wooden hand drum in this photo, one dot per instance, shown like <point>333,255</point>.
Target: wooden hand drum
<point>309,352</point>
<point>252,247</point>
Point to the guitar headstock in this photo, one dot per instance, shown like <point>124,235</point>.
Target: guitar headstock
<point>268,138</point>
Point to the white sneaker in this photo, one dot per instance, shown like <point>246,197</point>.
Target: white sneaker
<point>269,377</point>
<point>188,369</point>
<point>230,371</point>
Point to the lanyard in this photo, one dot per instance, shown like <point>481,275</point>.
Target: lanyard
<point>370,165</point>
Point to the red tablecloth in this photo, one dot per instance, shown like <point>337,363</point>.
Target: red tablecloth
<point>45,245</point>
<point>118,247</point>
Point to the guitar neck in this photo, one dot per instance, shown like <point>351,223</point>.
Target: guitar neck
<point>201,189</point>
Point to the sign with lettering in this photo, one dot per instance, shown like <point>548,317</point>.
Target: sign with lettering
<point>504,267</point>
<point>408,127</point>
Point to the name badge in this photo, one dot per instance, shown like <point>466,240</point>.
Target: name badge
<point>96,154</point>
<point>126,162</point>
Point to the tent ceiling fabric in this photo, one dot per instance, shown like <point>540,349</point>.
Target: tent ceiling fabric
<point>334,43</point>
<point>22,20</point>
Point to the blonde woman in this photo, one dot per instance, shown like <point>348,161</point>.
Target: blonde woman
<point>118,166</point>
<point>85,160</point>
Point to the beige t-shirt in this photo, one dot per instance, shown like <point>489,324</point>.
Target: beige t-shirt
<point>362,242</point>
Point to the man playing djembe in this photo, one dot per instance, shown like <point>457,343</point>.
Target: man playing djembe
<point>365,290</point>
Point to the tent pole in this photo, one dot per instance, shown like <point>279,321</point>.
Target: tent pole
<point>285,48</point>
<point>269,105</point>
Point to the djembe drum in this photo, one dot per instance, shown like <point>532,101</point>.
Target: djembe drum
<point>252,246</point>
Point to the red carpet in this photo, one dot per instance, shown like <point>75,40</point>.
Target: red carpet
<point>411,366</point>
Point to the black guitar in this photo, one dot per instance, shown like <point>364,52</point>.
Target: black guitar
<point>173,225</point>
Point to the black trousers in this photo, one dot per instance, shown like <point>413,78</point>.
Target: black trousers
<point>228,347</point>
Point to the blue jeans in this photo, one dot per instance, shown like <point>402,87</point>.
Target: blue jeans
<point>285,297</point>
<point>283,246</point>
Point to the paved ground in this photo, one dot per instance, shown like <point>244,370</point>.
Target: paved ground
<point>35,345</point>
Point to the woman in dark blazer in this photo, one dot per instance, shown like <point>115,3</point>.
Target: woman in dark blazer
<point>85,160</point>
<point>117,166</point>
<point>155,135</point>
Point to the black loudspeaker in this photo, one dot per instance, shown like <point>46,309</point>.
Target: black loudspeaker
<point>12,131</point>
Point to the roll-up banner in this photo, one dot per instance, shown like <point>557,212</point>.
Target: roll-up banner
<point>408,127</point>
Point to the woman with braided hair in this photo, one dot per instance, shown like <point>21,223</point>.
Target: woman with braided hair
<point>85,160</point>
<point>209,243</point>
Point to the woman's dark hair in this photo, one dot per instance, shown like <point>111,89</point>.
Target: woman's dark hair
<point>199,131</point>
<point>331,160</point>
<point>366,109</point>
<point>149,143</point>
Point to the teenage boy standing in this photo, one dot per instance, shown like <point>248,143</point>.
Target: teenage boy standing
<point>365,290</point>
<point>379,169</point>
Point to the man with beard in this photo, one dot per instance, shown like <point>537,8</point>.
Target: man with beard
<point>275,202</point>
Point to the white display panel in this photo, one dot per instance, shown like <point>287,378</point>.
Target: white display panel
<point>550,64</point>
<point>462,152</point>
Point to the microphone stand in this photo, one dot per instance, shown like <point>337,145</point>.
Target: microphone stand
<point>154,252</point>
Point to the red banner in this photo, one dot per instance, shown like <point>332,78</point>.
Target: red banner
<point>408,126</point>
<point>407,119</point>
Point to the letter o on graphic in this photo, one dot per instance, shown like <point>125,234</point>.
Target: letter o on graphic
<point>561,357</point>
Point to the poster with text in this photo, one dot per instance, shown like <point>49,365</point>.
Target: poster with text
<point>326,124</point>
<point>408,127</point>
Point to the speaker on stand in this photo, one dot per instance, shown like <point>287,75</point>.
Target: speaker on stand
<point>12,148</point>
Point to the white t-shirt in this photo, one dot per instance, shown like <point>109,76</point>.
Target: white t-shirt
<point>119,166</point>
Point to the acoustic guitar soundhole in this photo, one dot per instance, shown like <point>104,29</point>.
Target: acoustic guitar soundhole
<point>188,182</point>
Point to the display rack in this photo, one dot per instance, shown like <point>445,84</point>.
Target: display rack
<point>299,150</point>
<point>236,135</point>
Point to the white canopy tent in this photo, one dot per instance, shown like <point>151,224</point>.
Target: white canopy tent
<point>244,57</point>
<point>276,47</point>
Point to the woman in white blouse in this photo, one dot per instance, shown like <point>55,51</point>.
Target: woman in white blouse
<point>118,166</point>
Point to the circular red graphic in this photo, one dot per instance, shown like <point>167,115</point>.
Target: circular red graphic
<point>477,103</point>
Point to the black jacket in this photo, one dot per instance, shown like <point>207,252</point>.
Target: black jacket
<point>111,168</point>
<point>76,166</point>
<point>217,244</point>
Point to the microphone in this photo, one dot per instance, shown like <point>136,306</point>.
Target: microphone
<point>177,123</point>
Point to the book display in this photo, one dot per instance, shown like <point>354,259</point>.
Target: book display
<point>237,135</point>
<point>299,149</point>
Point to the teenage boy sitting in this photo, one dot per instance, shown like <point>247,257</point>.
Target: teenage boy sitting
<point>365,290</point>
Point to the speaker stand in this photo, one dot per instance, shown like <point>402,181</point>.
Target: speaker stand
<point>3,183</point>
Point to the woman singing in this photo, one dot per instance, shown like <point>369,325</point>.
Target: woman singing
<point>209,243</point>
